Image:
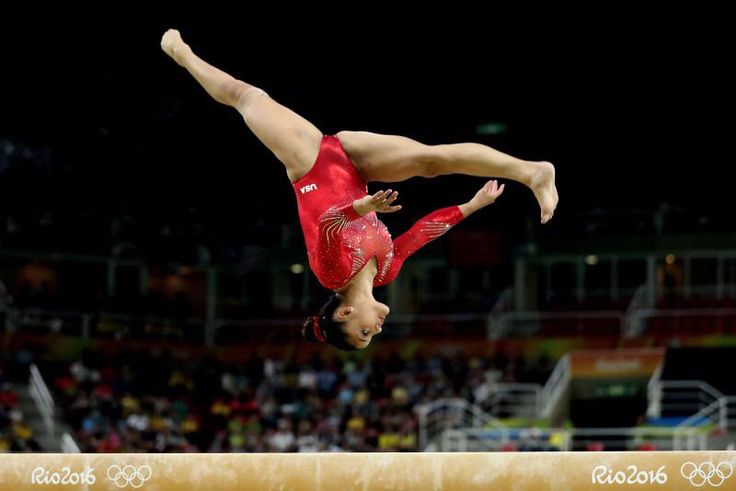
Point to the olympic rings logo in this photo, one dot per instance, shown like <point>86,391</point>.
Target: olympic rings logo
<point>707,472</point>
<point>129,475</point>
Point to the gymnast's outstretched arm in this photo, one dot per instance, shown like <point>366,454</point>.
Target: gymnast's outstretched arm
<point>436,224</point>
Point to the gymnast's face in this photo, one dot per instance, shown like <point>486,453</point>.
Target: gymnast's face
<point>361,320</point>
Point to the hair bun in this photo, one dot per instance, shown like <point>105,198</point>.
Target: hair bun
<point>308,329</point>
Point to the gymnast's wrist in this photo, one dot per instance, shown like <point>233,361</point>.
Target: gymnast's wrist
<point>361,207</point>
<point>469,208</point>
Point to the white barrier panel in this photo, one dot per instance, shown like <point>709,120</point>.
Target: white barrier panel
<point>374,471</point>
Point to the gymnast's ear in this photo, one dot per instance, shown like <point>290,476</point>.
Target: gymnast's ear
<point>343,312</point>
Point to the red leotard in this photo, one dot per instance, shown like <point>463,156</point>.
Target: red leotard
<point>339,241</point>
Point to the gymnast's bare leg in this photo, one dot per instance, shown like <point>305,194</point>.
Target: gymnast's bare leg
<point>390,158</point>
<point>294,140</point>
<point>387,158</point>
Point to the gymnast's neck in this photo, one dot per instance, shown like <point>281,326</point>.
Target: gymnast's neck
<point>361,285</point>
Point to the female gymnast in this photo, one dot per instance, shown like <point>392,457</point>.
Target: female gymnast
<point>349,248</point>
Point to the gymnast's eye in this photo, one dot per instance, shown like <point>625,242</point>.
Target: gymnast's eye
<point>364,332</point>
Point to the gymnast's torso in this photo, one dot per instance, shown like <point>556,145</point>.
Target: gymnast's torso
<point>339,242</point>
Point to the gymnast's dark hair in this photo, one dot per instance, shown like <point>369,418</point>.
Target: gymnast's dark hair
<point>322,328</point>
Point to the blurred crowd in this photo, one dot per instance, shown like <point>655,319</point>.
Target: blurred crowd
<point>15,433</point>
<point>142,402</point>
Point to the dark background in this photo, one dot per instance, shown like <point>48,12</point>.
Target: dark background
<point>633,107</point>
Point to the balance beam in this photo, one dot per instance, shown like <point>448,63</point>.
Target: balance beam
<point>370,471</point>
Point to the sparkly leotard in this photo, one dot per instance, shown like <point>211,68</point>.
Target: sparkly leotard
<point>339,241</point>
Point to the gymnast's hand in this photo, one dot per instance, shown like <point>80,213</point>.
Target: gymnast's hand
<point>488,193</point>
<point>484,197</point>
<point>380,202</point>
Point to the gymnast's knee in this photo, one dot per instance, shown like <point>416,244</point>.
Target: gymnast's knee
<point>243,94</point>
<point>433,162</point>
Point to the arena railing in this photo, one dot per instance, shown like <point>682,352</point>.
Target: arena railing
<point>225,331</point>
<point>68,444</point>
<point>42,398</point>
<point>679,396</point>
<point>510,400</point>
<point>570,439</point>
<point>450,413</point>
<point>569,323</point>
<point>556,386</point>
<point>637,323</point>
<point>720,413</point>
<point>495,322</point>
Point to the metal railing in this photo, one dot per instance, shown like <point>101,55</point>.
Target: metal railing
<point>720,413</point>
<point>106,325</point>
<point>633,324</point>
<point>545,439</point>
<point>513,401</point>
<point>637,323</point>
<point>703,407</point>
<point>573,323</point>
<point>557,384</point>
<point>500,323</point>
<point>495,324</point>
<point>693,431</point>
<point>626,439</point>
<point>473,440</point>
<point>654,393</point>
<point>679,397</point>
<point>42,399</point>
<point>68,444</point>
<point>448,414</point>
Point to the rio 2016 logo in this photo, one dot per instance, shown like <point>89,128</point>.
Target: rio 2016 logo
<point>603,474</point>
<point>41,475</point>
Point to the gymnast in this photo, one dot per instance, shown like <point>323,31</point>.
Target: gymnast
<point>349,248</point>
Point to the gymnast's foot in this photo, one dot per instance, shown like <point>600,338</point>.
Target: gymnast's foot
<point>542,183</point>
<point>173,45</point>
